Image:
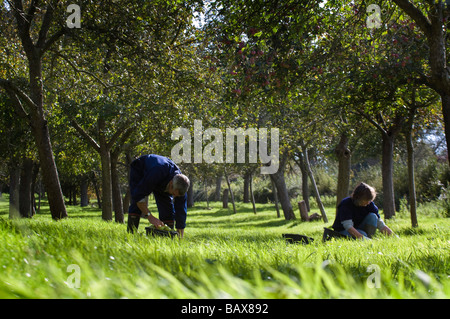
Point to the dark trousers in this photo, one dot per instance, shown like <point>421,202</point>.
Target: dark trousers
<point>133,223</point>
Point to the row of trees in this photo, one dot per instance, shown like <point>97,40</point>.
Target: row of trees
<point>120,84</point>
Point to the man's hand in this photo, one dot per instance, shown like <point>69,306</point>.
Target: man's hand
<point>155,221</point>
<point>387,231</point>
<point>146,213</point>
<point>355,233</point>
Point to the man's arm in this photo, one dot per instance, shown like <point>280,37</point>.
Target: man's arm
<point>348,226</point>
<point>352,231</point>
<point>386,230</point>
<point>383,228</point>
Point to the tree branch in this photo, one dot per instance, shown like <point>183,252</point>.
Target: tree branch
<point>23,24</point>
<point>46,23</point>
<point>116,135</point>
<point>123,138</point>
<point>370,120</point>
<point>75,68</point>
<point>17,104</point>
<point>52,40</point>
<point>85,135</point>
<point>410,9</point>
<point>8,85</point>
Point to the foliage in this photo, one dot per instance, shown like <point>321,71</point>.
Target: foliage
<point>444,199</point>
<point>311,68</point>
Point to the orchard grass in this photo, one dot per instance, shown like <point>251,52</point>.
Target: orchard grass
<point>223,255</point>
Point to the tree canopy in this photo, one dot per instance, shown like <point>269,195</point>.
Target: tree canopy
<point>89,86</point>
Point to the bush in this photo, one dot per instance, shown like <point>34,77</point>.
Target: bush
<point>444,200</point>
<point>326,181</point>
<point>428,183</point>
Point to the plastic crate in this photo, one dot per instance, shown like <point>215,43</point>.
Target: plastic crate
<point>151,231</point>
<point>297,238</point>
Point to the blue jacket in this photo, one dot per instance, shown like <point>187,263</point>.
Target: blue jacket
<point>347,210</point>
<point>151,174</point>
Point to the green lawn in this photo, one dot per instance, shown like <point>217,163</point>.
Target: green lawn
<point>222,256</point>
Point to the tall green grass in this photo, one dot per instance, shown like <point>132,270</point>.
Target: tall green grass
<point>223,255</point>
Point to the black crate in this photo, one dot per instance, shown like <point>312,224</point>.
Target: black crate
<point>157,232</point>
<point>296,238</point>
<point>329,234</point>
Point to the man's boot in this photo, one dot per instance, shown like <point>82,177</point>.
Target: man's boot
<point>133,222</point>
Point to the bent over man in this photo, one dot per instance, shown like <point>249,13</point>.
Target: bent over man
<point>161,176</point>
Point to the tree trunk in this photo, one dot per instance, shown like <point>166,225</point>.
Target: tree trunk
<point>74,193</point>
<point>275,196</point>
<point>84,198</point>
<point>14,183</point>
<point>218,188</point>
<point>246,198</point>
<point>190,193</point>
<point>97,191</point>
<point>105,159</point>
<point>225,198</point>
<point>206,193</point>
<point>34,180</point>
<point>387,161</point>
<point>387,169</point>
<point>280,183</point>
<point>26,179</point>
<point>38,209</point>
<point>446,114</point>
<point>42,137</point>
<point>252,197</point>
<point>127,197</point>
<point>344,157</point>
<point>115,184</point>
<point>231,192</point>
<point>314,185</point>
<point>305,177</point>
<point>410,154</point>
<point>49,171</point>
<point>303,211</point>
<point>106,184</point>
<point>105,148</point>
<point>35,101</point>
<point>440,79</point>
<point>411,180</point>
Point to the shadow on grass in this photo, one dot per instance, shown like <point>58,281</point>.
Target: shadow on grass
<point>72,211</point>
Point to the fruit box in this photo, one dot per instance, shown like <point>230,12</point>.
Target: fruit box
<point>296,238</point>
<point>151,231</point>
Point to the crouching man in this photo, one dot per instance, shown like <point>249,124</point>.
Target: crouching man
<point>161,176</point>
<point>357,216</point>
